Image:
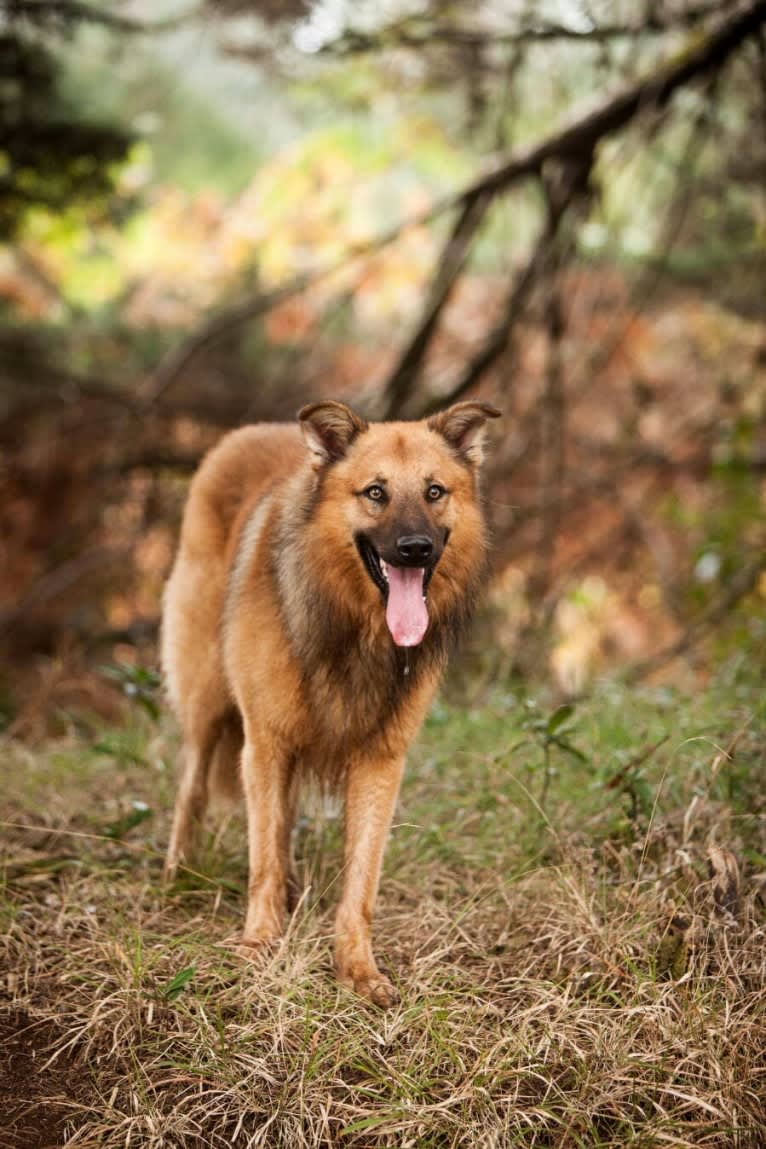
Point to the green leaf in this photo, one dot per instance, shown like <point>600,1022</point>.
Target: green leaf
<point>119,749</point>
<point>178,983</point>
<point>568,748</point>
<point>121,826</point>
<point>139,683</point>
<point>366,1123</point>
<point>560,715</point>
<point>149,705</point>
<point>643,795</point>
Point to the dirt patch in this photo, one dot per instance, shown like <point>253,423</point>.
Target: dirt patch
<point>35,1098</point>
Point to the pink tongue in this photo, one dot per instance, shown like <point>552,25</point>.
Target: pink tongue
<point>406,611</point>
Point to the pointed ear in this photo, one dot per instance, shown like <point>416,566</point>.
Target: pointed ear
<point>464,426</point>
<point>329,428</point>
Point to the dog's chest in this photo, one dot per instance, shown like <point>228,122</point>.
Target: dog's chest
<point>357,701</point>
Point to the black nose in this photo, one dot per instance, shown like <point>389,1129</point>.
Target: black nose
<point>414,550</point>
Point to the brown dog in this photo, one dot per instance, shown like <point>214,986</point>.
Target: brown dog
<point>320,581</point>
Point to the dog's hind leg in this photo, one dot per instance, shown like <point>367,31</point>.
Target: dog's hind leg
<point>193,791</point>
<point>270,785</point>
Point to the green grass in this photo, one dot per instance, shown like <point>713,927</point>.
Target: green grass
<point>574,968</point>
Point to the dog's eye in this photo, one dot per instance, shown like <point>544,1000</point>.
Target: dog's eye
<point>435,492</point>
<point>376,493</point>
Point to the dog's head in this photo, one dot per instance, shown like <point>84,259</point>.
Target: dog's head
<point>400,501</point>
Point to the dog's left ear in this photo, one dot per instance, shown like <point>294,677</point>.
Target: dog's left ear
<point>329,428</point>
<point>464,427</point>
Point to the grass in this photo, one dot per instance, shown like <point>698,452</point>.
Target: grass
<point>585,970</point>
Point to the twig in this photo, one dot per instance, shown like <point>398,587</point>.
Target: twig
<point>571,181</point>
<point>594,361</point>
<point>229,319</point>
<point>654,91</point>
<point>560,196</point>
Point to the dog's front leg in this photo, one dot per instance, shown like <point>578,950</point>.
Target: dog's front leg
<point>269,785</point>
<point>371,792</point>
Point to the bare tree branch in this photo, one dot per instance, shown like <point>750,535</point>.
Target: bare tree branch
<point>571,184</point>
<point>451,263</point>
<point>654,91</point>
<point>59,579</point>
<point>419,32</point>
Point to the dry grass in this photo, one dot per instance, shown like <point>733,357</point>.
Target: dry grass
<point>574,979</point>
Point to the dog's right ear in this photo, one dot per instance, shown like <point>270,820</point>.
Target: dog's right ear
<point>329,429</point>
<point>463,426</point>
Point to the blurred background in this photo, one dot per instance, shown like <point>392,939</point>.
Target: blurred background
<point>213,212</point>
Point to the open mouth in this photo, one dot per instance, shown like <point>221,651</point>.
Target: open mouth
<point>378,568</point>
<point>404,592</point>
<point>373,564</point>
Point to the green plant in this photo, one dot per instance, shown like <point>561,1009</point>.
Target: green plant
<point>549,732</point>
<point>139,683</point>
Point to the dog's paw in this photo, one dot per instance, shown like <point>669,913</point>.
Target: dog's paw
<point>258,950</point>
<point>379,990</point>
<point>374,986</point>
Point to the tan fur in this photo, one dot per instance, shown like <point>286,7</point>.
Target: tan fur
<point>275,646</point>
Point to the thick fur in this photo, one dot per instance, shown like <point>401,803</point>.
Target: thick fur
<point>277,656</point>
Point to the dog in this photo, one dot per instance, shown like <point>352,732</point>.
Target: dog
<point>325,569</point>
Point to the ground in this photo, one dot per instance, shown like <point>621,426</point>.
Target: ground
<point>572,908</point>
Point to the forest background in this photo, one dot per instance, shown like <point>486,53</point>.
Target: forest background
<point>211,214</point>
<point>214,217</point>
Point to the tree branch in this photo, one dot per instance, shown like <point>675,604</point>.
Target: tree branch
<point>552,421</point>
<point>521,287</point>
<point>417,33</point>
<point>451,263</point>
<point>584,133</point>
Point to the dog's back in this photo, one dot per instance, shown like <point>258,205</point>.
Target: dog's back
<point>233,477</point>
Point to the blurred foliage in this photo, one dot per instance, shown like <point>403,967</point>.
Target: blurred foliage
<point>187,141</point>
<point>51,154</point>
<point>141,684</point>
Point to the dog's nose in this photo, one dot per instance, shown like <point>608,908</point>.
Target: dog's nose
<point>414,550</point>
